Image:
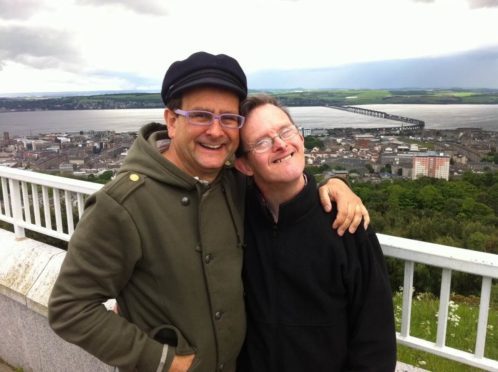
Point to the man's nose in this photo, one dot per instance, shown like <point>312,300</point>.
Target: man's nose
<point>278,143</point>
<point>215,129</point>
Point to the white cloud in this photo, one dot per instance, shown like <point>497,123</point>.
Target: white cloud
<point>37,47</point>
<point>150,7</point>
<point>138,40</point>
<point>483,3</point>
<point>18,78</point>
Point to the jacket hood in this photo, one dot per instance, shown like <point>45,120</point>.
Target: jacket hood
<point>145,158</point>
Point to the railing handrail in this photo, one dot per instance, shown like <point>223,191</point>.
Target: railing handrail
<point>63,183</point>
<point>458,259</point>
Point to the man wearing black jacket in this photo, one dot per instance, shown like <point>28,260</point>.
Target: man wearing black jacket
<point>315,301</point>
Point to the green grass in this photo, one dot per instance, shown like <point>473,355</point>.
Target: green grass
<point>463,94</point>
<point>461,330</point>
<point>373,96</point>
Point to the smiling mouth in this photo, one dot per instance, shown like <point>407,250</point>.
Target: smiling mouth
<point>211,147</point>
<point>284,159</point>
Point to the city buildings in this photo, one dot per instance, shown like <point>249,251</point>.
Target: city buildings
<point>366,156</point>
<point>431,165</point>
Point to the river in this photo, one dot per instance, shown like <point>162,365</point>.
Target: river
<point>435,117</point>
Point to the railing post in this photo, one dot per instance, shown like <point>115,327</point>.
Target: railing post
<point>81,204</point>
<point>46,207</point>
<point>483,317</point>
<point>15,195</point>
<point>407,298</point>
<point>25,202</point>
<point>6,198</point>
<point>69,212</point>
<point>444,300</point>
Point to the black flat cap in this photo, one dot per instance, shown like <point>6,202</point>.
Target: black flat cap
<point>204,69</point>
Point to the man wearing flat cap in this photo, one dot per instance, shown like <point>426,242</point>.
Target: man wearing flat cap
<point>165,237</point>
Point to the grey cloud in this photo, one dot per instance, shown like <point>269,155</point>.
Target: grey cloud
<point>472,3</point>
<point>152,7</point>
<point>471,69</point>
<point>19,9</point>
<point>38,48</point>
<point>483,3</point>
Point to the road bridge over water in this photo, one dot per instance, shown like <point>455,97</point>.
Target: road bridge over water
<point>407,124</point>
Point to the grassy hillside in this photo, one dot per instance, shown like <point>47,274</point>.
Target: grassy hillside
<point>349,97</point>
<point>360,97</point>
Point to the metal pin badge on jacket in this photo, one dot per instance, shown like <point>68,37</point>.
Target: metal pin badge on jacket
<point>134,177</point>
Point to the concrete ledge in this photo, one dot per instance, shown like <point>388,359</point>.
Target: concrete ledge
<point>28,270</point>
<point>37,297</point>
<point>22,264</point>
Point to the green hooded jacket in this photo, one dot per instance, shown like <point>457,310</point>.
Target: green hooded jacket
<point>169,249</point>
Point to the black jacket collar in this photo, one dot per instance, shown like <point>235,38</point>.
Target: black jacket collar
<point>290,212</point>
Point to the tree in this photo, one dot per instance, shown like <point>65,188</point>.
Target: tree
<point>430,197</point>
<point>492,198</point>
<point>476,241</point>
<point>105,177</point>
<point>394,192</point>
<point>314,170</point>
<point>310,142</point>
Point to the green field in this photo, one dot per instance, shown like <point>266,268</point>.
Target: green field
<point>362,96</point>
<point>302,97</point>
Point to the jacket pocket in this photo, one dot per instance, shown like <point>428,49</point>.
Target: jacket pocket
<point>170,335</point>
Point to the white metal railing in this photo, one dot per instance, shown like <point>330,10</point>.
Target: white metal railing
<point>42,203</point>
<point>21,201</point>
<point>448,259</point>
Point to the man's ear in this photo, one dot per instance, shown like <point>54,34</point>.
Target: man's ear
<point>241,164</point>
<point>170,119</point>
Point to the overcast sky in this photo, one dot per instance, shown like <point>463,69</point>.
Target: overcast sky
<point>89,45</point>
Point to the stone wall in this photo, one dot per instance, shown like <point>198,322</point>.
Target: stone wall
<point>28,270</point>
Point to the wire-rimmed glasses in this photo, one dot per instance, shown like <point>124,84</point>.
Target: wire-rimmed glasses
<point>266,143</point>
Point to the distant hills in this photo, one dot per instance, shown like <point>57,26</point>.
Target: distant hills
<point>293,97</point>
